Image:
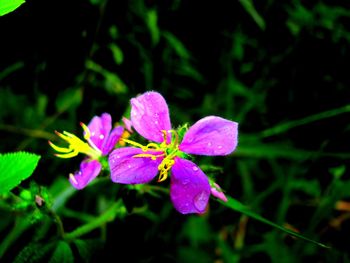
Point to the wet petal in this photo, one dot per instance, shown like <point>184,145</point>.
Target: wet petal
<point>88,171</point>
<point>99,128</point>
<point>150,115</point>
<point>211,136</point>
<point>217,192</point>
<point>127,124</point>
<point>189,189</point>
<point>112,140</point>
<point>126,169</point>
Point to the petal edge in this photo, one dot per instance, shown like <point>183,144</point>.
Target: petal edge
<point>189,189</point>
<point>211,136</point>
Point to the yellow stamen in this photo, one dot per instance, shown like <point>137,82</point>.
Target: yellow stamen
<point>148,155</point>
<point>164,167</point>
<point>87,134</point>
<point>59,149</point>
<point>136,144</point>
<point>125,135</point>
<point>168,154</point>
<point>67,155</point>
<point>76,145</point>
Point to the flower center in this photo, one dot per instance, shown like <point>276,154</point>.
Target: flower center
<point>76,145</point>
<point>169,152</point>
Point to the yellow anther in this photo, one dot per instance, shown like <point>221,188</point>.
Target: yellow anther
<point>87,134</point>
<point>125,135</point>
<point>67,155</point>
<point>153,146</point>
<point>136,144</point>
<point>148,155</point>
<point>169,151</point>
<point>164,168</point>
<point>75,147</point>
<point>59,149</point>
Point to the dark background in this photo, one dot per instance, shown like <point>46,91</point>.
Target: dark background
<point>261,64</point>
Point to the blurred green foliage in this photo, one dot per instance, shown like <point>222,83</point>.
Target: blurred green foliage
<point>279,69</point>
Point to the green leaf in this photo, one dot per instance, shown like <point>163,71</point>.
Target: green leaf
<point>239,207</point>
<point>7,6</point>
<point>62,254</point>
<point>117,53</point>
<point>249,7</point>
<point>197,231</point>
<point>151,20</point>
<point>86,248</point>
<point>15,167</point>
<point>34,253</point>
<point>177,45</point>
<point>311,187</point>
<point>69,98</point>
<point>283,127</point>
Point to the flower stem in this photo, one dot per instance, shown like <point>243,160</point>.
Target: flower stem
<point>107,216</point>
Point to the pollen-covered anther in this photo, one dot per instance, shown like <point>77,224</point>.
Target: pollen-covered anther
<point>164,168</point>
<point>75,147</point>
<point>87,133</point>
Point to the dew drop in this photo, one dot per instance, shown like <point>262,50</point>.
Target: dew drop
<point>101,136</point>
<point>209,144</point>
<point>129,166</point>
<point>185,182</point>
<point>118,156</point>
<point>201,200</point>
<point>93,134</point>
<point>220,147</point>
<point>156,122</point>
<point>195,168</point>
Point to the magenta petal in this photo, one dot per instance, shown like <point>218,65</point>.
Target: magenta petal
<point>189,189</point>
<point>127,124</point>
<point>217,192</point>
<point>112,140</point>
<point>99,128</point>
<point>150,115</point>
<point>211,136</point>
<point>126,169</point>
<point>88,171</point>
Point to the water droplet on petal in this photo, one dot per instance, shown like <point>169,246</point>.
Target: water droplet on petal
<point>118,156</point>
<point>156,122</point>
<point>209,144</point>
<point>195,168</point>
<point>101,136</point>
<point>201,200</point>
<point>129,166</point>
<point>220,147</point>
<point>185,182</point>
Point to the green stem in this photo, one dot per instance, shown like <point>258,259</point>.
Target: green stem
<point>107,216</point>
<point>21,225</point>
<point>58,222</point>
<point>280,128</point>
<point>239,207</point>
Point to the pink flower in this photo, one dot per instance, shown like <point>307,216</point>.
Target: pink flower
<point>190,189</point>
<point>101,139</point>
